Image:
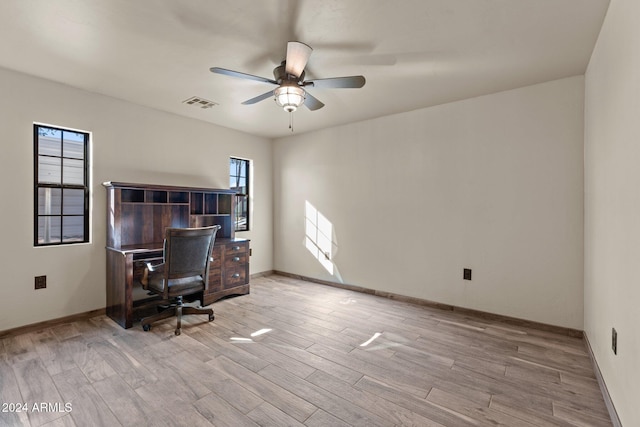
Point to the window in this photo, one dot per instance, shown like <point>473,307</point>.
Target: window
<point>239,174</point>
<point>61,187</point>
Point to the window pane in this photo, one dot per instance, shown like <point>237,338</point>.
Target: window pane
<point>73,171</point>
<point>49,201</point>
<point>49,229</point>
<point>240,185</point>
<point>241,213</point>
<point>73,145</point>
<point>233,164</point>
<point>73,228</point>
<point>235,181</point>
<point>238,181</point>
<point>73,202</point>
<point>49,170</point>
<point>238,166</point>
<point>49,141</point>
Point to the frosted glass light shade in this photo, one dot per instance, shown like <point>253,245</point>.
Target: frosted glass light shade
<point>289,97</point>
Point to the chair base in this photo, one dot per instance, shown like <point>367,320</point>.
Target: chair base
<point>177,309</point>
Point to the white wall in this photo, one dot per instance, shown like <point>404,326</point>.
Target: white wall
<point>492,183</point>
<point>130,144</point>
<point>612,205</point>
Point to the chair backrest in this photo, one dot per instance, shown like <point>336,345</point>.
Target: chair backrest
<point>187,252</point>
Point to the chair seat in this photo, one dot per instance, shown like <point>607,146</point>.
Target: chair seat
<point>182,286</point>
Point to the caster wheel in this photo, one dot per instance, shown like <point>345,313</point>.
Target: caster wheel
<point>211,317</point>
<point>146,328</point>
<point>178,332</point>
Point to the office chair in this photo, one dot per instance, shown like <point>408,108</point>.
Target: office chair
<point>183,272</point>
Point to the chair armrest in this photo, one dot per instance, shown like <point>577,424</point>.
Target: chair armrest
<point>149,267</point>
<point>154,267</point>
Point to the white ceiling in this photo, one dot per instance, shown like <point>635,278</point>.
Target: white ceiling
<point>413,53</point>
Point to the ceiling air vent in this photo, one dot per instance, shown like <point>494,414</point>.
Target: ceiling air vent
<point>199,102</point>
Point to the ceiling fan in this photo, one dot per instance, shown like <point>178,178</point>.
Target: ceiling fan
<point>289,77</point>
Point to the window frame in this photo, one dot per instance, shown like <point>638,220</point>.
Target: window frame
<point>239,196</point>
<point>37,185</point>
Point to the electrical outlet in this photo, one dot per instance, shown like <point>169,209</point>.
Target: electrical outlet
<point>41,282</point>
<point>614,340</point>
<point>466,274</point>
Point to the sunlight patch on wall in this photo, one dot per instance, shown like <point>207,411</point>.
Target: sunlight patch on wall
<point>318,232</point>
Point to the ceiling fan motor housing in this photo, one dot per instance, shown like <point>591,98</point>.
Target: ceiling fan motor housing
<point>280,75</point>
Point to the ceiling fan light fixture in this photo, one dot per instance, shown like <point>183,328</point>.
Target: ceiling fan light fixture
<point>289,97</point>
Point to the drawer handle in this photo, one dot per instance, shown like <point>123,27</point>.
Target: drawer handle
<point>236,248</point>
<point>235,275</point>
<point>236,258</point>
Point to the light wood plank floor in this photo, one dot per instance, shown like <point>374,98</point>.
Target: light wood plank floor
<point>295,353</point>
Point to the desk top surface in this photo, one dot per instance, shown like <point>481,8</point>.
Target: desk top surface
<point>158,246</point>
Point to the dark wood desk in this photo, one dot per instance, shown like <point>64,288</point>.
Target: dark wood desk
<point>138,214</point>
<point>228,275</point>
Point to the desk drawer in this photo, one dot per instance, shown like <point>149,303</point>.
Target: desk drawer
<point>235,276</point>
<point>236,248</point>
<point>235,260</point>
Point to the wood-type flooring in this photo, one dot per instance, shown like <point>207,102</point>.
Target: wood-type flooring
<point>295,353</point>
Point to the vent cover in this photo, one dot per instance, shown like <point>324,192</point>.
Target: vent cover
<point>199,102</point>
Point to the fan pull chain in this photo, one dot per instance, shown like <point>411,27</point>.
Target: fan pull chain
<point>291,121</point>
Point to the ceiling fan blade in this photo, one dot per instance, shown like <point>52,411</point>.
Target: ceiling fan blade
<point>258,98</point>
<point>312,103</point>
<point>338,82</point>
<point>297,56</point>
<point>238,74</point>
